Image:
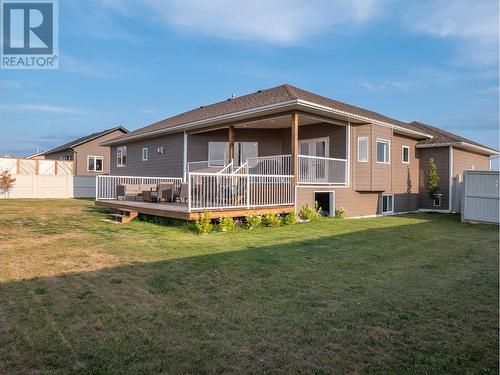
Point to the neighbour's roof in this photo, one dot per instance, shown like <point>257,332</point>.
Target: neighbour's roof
<point>279,94</point>
<point>81,140</point>
<point>442,137</point>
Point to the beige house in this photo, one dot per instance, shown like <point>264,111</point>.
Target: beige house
<point>283,148</point>
<point>89,157</point>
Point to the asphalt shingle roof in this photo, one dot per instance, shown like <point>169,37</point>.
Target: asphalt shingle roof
<point>82,140</point>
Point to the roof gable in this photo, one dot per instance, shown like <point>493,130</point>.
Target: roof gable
<point>85,139</point>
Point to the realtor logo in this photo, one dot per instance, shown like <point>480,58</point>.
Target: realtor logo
<point>29,35</point>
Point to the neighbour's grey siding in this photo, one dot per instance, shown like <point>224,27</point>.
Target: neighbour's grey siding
<point>168,164</point>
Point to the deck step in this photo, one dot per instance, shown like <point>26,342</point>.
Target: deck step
<point>124,216</point>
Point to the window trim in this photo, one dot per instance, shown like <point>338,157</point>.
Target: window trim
<point>95,157</point>
<point>382,204</point>
<point>403,154</point>
<point>118,163</point>
<point>367,150</point>
<point>147,154</point>
<point>388,142</point>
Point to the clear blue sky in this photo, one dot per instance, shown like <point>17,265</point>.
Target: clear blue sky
<point>132,63</point>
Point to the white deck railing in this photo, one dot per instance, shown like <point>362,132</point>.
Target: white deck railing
<point>270,165</point>
<point>106,185</point>
<point>318,170</point>
<point>229,190</point>
<point>207,165</point>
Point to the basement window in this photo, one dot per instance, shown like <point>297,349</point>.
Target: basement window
<point>436,202</point>
<point>387,203</point>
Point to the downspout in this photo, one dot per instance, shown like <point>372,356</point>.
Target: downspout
<point>450,182</point>
<point>184,158</point>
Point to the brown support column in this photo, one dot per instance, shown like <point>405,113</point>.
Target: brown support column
<point>55,167</point>
<point>295,147</point>
<point>18,166</point>
<point>231,143</point>
<point>37,166</point>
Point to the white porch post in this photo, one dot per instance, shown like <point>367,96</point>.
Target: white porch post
<point>184,163</point>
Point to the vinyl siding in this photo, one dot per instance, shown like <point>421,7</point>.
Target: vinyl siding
<point>168,164</point>
<point>381,177</point>
<point>270,141</point>
<point>92,148</point>
<point>405,177</point>
<point>465,160</point>
<point>441,157</point>
<point>361,171</point>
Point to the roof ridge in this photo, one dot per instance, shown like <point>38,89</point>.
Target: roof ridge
<point>290,90</point>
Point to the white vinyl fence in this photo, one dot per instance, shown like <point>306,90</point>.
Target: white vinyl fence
<point>481,196</point>
<point>38,186</point>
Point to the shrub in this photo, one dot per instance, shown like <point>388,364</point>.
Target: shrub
<point>311,214</point>
<point>203,224</point>
<point>290,219</point>
<point>340,213</point>
<point>227,224</point>
<point>253,221</point>
<point>6,182</point>
<point>271,220</point>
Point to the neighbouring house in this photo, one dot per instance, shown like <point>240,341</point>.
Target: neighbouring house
<point>88,156</point>
<point>283,148</point>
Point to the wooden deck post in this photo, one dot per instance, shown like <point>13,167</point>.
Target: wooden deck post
<point>18,166</point>
<point>231,143</point>
<point>55,167</point>
<point>295,147</point>
<point>37,166</point>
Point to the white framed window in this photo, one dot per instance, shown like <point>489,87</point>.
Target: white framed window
<point>160,150</point>
<point>436,202</point>
<point>387,203</point>
<point>121,156</point>
<point>383,151</point>
<point>145,154</point>
<point>94,163</point>
<point>405,154</point>
<point>362,149</point>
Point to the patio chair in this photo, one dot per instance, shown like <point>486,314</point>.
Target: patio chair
<point>128,191</point>
<point>166,192</point>
<point>184,193</point>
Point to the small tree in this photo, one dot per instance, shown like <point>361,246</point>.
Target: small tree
<point>6,182</point>
<point>432,179</point>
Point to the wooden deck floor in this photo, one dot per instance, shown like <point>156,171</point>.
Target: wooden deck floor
<point>180,210</point>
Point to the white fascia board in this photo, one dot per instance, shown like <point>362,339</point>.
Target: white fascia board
<point>489,151</point>
<point>291,104</point>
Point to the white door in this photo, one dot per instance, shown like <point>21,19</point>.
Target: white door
<point>314,168</point>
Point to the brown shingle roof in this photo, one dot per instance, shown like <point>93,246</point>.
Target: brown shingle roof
<point>440,136</point>
<point>84,139</point>
<point>279,94</point>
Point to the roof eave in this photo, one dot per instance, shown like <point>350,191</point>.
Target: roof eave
<point>467,145</point>
<point>288,105</point>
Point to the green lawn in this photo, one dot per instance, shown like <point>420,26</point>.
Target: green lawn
<point>402,294</point>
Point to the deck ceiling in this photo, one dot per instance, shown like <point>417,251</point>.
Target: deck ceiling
<point>283,121</point>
